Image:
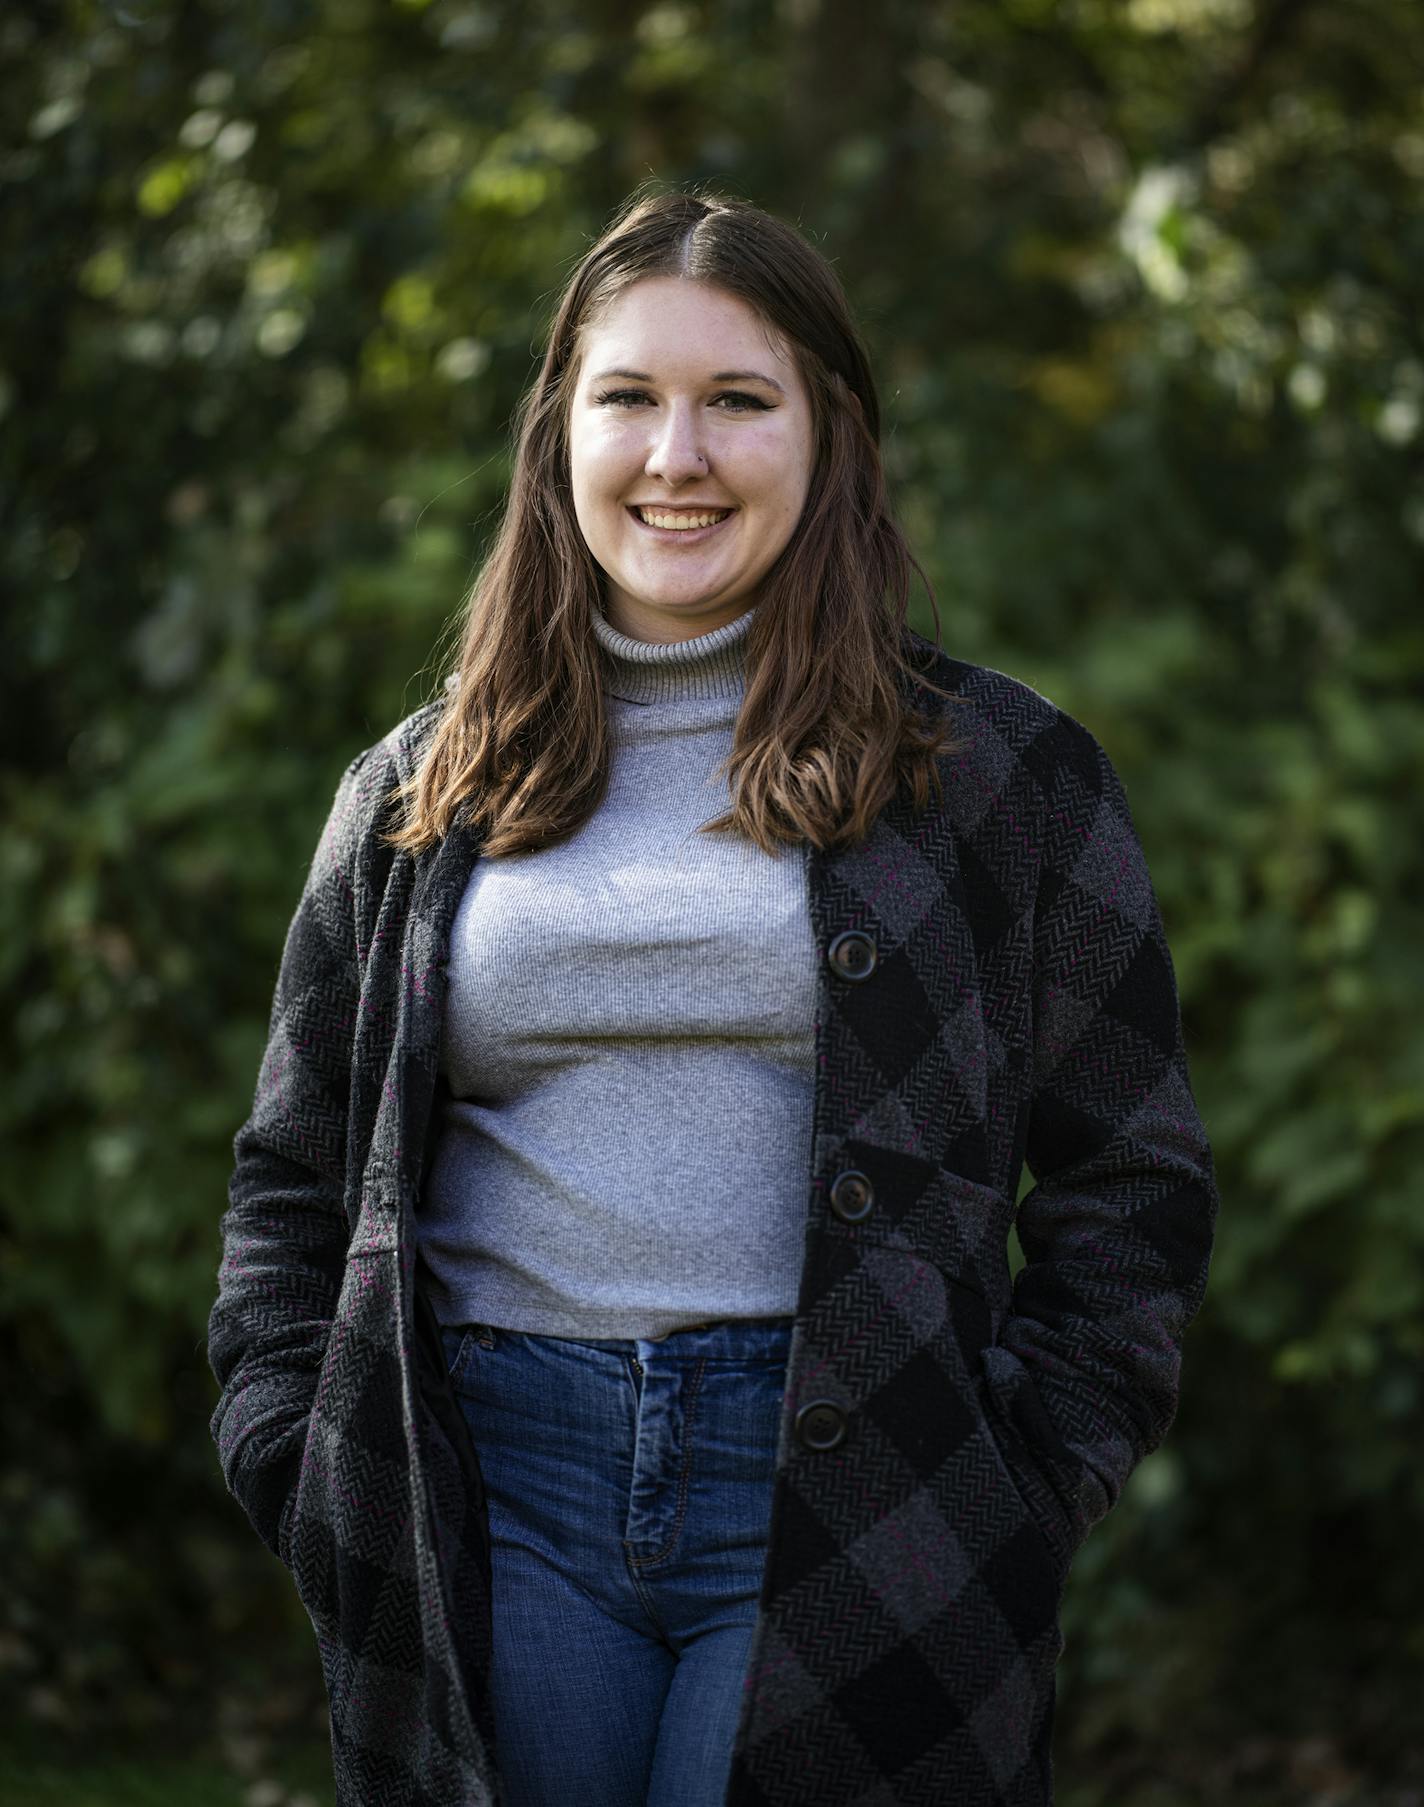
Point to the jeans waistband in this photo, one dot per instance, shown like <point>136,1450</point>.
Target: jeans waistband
<point>732,1337</point>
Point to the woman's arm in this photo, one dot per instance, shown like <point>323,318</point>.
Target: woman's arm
<point>285,1234</point>
<point>1118,1229</point>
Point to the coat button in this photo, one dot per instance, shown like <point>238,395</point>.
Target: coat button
<point>852,1196</point>
<point>821,1425</point>
<point>852,954</point>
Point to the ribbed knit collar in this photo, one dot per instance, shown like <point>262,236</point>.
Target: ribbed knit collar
<point>654,671</point>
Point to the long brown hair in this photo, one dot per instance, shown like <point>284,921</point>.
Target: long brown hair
<point>830,723</point>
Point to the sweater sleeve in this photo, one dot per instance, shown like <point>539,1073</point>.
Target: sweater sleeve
<point>285,1233</point>
<point>1117,1231</point>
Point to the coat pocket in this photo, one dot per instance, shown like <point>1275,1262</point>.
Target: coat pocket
<point>976,1327</point>
<point>1028,1480</point>
<point>349,1513</point>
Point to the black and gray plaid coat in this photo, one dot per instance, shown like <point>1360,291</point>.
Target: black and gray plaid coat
<point>995,990</point>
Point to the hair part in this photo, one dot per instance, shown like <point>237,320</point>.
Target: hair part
<point>833,718</point>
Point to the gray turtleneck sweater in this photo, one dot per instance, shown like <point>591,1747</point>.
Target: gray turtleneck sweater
<point>629,1043</point>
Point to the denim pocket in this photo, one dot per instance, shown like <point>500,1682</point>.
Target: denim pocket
<point>460,1341</point>
<point>453,1340</point>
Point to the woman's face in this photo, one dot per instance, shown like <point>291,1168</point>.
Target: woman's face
<point>683,409</point>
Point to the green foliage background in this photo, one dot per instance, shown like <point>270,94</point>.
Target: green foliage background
<point>1144,283</point>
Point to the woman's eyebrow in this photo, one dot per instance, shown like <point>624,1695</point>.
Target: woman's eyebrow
<point>718,376</point>
<point>747,376</point>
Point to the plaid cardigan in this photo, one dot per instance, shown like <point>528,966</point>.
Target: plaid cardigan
<point>996,989</point>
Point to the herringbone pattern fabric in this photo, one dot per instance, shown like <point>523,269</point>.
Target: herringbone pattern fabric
<point>1022,1008</point>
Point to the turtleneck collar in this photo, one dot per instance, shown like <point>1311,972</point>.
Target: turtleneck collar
<point>655,671</point>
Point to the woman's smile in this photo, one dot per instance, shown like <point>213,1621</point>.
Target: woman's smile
<point>681,526</point>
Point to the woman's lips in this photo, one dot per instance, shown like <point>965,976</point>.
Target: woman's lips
<point>681,536</point>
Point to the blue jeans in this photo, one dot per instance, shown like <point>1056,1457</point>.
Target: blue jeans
<point>629,1486</point>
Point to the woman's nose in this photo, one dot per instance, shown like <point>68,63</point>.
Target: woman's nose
<point>677,450</point>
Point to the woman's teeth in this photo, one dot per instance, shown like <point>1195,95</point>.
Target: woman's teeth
<point>682,521</point>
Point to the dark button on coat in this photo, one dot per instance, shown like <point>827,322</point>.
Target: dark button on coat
<point>852,1196</point>
<point>1022,1007</point>
<point>852,955</point>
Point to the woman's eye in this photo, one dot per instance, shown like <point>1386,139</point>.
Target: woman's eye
<point>738,399</point>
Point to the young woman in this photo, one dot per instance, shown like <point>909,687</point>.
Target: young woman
<point>615,1327</point>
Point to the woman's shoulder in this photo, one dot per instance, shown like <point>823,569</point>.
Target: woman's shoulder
<point>1004,719</point>
<point>394,757</point>
<point>365,808</point>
